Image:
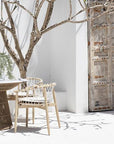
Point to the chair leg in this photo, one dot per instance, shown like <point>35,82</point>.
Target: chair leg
<point>56,109</point>
<point>46,108</point>
<point>33,113</point>
<point>15,126</point>
<point>16,115</point>
<point>26,117</point>
<point>47,118</point>
<point>17,112</point>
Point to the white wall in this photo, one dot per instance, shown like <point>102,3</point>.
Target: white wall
<point>69,60</point>
<point>56,60</point>
<point>63,60</point>
<point>81,65</point>
<point>40,61</point>
<point>61,56</point>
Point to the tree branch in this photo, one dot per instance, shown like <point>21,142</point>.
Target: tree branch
<point>30,50</point>
<point>86,6</point>
<point>35,29</point>
<point>81,4</point>
<point>48,15</point>
<point>17,47</point>
<point>34,38</point>
<point>78,13</point>
<point>70,5</point>
<point>38,7</point>
<point>11,14</point>
<point>80,21</point>
<point>35,34</point>
<point>70,20</point>
<point>17,3</point>
<point>8,47</point>
<point>64,21</point>
<point>54,26</point>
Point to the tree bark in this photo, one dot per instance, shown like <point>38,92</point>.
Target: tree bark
<point>22,69</point>
<point>23,75</point>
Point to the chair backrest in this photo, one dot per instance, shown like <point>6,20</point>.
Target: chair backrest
<point>34,81</point>
<point>49,90</point>
<point>31,81</point>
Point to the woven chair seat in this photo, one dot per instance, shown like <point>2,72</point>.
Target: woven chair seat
<point>21,94</point>
<point>12,96</point>
<point>31,100</point>
<point>24,94</point>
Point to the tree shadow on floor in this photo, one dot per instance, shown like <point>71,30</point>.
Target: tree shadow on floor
<point>69,121</point>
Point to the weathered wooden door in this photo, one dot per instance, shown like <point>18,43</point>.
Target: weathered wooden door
<point>101,59</point>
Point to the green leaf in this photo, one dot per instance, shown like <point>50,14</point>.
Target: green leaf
<point>6,65</point>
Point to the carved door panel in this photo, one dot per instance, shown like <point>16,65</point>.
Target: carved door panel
<point>101,61</point>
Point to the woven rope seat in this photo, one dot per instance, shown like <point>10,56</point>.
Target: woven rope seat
<point>31,100</point>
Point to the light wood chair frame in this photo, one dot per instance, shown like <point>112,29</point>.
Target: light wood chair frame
<point>43,105</point>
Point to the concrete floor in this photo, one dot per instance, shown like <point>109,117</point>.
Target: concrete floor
<point>90,128</point>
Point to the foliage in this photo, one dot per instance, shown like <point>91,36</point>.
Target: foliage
<point>6,65</point>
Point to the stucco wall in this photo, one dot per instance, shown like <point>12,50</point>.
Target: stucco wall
<point>61,56</point>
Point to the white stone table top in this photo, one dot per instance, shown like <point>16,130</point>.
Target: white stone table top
<point>9,84</point>
<point>12,81</point>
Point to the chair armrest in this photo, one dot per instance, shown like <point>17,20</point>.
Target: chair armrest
<point>46,85</point>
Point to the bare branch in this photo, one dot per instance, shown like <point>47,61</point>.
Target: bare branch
<point>81,4</point>
<point>30,50</point>
<point>54,26</point>
<point>36,13</point>
<point>37,8</point>
<point>63,22</point>
<point>11,14</point>
<point>1,10</point>
<point>48,15</point>
<point>17,3</point>
<point>35,37</point>
<point>70,4</point>
<point>78,13</point>
<point>2,26</point>
<point>86,9</point>
<point>35,34</point>
<point>80,21</point>
<point>50,0</point>
<point>8,47</point>
<point>14,32</point>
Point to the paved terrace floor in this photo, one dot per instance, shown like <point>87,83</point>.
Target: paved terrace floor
<point>89,128</point>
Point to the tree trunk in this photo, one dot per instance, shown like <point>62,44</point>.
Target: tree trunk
<point>22,71</point>
<point>23,74</point>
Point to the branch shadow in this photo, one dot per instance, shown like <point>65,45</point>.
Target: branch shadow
<point>69,121</point>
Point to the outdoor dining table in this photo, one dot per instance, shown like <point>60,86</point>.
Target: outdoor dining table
<point>5,117</point>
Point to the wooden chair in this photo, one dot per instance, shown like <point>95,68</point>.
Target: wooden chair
<point>43,97</point>
<point>31,82</point>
